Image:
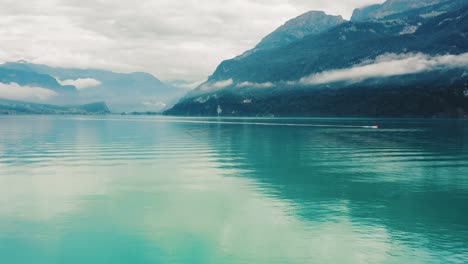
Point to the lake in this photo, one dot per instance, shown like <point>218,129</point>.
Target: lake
<point>123,189</point>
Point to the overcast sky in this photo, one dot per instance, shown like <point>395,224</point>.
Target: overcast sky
<point>172,39</point>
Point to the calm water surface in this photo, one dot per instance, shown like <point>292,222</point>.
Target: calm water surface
<point>162,190</point>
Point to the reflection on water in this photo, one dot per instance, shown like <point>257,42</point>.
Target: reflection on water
<point>162,190</point>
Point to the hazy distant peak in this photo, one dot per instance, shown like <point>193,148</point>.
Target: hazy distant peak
<point>145,76</point>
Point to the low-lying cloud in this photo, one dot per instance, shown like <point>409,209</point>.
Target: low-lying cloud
<point>187,85</point>
<point>14,91</point>
<point>80,84</point>
<point>210,86</point>
<point>255,85</point>
<point>386,66</point>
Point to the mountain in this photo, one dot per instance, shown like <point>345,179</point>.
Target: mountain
<point>389,8</point>
<point>352,69</point>
<point>346,45</point>
<point>18,78</point>
<point>310,23</point>
<point>10,107</point>
<point>426,95</point>
<point>313,22</point>
<point>136,91</point>
<point>34,79</point>
<point>35,87</point>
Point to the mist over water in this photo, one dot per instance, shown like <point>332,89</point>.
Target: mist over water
<point>174,190</point>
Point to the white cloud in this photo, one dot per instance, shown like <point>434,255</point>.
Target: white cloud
<point>154,104</point>
<point>409,30</point>
<point>210,86</point>
<point>255,85</point>
<point>81,83</point>
<point>14,91</point>
<point>183,39</point>
<point>188,85</point>
<point>386,66</point>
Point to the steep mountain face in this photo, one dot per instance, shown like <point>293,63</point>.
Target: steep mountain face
<point>121,91</point>
<point>372,62</point>
<point>310,23</point>
<point>346,45</point>
<point>390,7</point>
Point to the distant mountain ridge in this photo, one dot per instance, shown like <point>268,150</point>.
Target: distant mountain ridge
<point>136,91</point>
<point>9,75</point>
<point>11,107</point>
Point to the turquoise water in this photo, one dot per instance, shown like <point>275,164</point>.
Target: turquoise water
<point>169,190</point>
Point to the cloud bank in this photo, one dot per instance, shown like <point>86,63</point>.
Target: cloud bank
<point>184,39</point>
<point>386,66</point>
<point>210,86</point>
<point>187,85</point>
<point>14,91</point>
<point>81,83</point>
<point>255,85</point>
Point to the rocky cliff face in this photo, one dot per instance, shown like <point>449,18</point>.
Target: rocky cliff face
<point>390,7</point>
<point>313,22</point>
